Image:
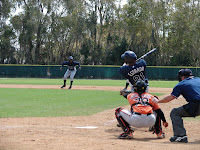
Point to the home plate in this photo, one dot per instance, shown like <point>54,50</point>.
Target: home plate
<point>87,127</point>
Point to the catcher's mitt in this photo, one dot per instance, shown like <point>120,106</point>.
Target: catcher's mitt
<point>124,91</point>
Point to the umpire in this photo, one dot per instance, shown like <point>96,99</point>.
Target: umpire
<point>189,88</point>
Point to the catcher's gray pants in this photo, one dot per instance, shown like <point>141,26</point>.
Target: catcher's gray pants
<point>70,73</point>
<point>136,120</point>
<point>177,121</point>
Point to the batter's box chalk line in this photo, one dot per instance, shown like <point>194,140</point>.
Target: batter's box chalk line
<point>110,122</point>
<point>86,127</point>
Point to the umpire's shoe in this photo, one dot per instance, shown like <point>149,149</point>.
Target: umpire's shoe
<point>182,139</point>
<point>128,135</point>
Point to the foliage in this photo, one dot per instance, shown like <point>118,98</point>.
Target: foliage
<point>99,31</point>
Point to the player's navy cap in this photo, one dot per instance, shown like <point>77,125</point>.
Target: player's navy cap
<point>185,72</point>
<point>70,57</point>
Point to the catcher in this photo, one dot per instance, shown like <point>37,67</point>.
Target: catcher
<point>144,112</point>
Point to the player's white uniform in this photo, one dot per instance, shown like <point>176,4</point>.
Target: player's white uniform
<point>71,71</point>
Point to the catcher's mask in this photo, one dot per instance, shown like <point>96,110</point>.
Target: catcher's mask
<point>140,86</point>
<point>184,72</point>
<point>129,57</point>
<point>70,58</point>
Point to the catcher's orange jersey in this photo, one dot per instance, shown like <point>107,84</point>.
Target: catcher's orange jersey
<point>144,105</point>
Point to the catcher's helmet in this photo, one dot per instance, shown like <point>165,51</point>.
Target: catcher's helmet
<point>184,72</point>
<point>129,57</point>
<point>70,57</point>
<point>140,86</point>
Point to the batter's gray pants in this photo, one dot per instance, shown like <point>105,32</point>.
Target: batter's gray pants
<point>177,121</point>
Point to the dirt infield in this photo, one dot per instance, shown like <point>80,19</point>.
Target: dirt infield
<point>95,132</point>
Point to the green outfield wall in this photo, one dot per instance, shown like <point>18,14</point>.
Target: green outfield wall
<point>93,72</point>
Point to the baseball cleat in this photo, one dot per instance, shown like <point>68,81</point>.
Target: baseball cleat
<point>182,139</point>
<point>70,87</point>
<point>161,135</point>
<point>118,125</point>
<point>151,129</point>
<point>125,136</point>
<point>62,86</point>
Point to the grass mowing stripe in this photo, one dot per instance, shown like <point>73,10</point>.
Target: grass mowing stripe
<point>91,82</point>
<point>54,102</point>
<point>51,103</point>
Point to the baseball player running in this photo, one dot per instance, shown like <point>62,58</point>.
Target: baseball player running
<point>71,71</point>
<point>141,113</point>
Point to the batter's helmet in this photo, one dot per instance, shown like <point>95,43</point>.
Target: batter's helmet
<point>129,57</point>
<point>140,86</point>
<point>184,72</point>
<point>70,57</point>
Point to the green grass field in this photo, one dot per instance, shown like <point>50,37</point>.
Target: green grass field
<point>98,82</point>
<point>56,102</point>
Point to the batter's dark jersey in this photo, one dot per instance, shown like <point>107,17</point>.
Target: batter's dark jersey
<point>135,72</point>
<point>71,65</point>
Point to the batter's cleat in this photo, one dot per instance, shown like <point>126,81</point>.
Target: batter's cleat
<point>182,139</point>
<point>62,86</point>
<point>125,136</point>
<point>160,135</point>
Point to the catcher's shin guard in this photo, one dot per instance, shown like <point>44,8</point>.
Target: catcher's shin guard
<point>158,125</point>
<point>124,125</point>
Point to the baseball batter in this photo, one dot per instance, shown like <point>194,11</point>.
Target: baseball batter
<point>133,71</point>
<point>141,113</point>
<point>71,71</point>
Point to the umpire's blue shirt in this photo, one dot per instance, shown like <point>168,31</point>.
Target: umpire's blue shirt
<point>189,88</point>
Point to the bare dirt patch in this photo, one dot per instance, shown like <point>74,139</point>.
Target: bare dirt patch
<point>61,133</point>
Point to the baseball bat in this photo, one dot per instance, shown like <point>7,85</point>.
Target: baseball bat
<point>151,51</point>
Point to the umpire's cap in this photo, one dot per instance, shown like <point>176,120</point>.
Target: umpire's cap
<point>184,72</point>
<point>70,57</point>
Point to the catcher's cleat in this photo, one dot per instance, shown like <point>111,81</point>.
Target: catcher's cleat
<point>118,125</point>
<point>125,136</point>
<point>151,129</point>
<point>160,135</point>
<point>62,86</point>
<point>182,139</point>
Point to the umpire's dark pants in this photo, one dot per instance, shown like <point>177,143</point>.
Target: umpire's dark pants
<point>177,121</point>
